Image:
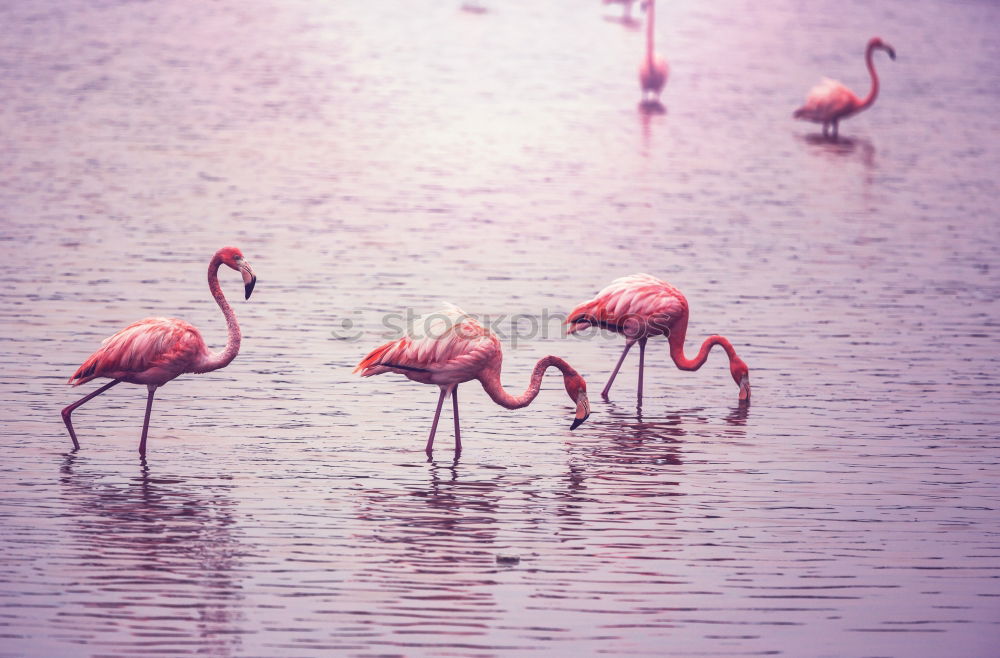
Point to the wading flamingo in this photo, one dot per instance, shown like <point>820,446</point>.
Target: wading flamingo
<point>654,70</point>
<point>640,307</point>
<point>449,348</point>
<point>153,351</point>
<point>830,101</point>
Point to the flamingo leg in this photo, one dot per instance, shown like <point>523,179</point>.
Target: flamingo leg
<point>145,423</point>
<point>434,425</point>
<point>68,411</point>
<point>458,432</point>
<point>614,373</point>
<point>835,126</point>
<point>642,357</point>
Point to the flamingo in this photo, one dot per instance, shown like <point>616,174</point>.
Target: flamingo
<point>654,70</point>
<point>155,350</point>
<point>640,307</point>
<point>449,348</point>
<point>830,101</point>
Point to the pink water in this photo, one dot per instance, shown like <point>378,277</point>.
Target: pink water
<point>374,157</point>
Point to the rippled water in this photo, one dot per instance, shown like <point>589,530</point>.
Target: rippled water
<point>369,158</point>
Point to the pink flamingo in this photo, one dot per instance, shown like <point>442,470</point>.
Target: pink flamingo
<point>654,70</point>
<point>641,306</point>
<point>450,347</point>
<point>830,101</point>
<point>155,350</point>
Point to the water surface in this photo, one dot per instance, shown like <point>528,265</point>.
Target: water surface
<point>370,158</point>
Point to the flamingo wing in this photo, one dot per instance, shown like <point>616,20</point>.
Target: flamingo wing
<point>827,101</point>
<point>446,347</point>
<point>638,301</point>
<point>166,343</point>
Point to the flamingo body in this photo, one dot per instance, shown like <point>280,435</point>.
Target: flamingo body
<point>640,307</point>
<point>828,101</point>
<point>636,306</point>
<point>450,348</point>
<point>153,351</point>
<point>447,348</point>
<point>653,74</point>
<point>831,101</point>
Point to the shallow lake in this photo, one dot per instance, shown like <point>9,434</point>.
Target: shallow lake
<point>374,157</point>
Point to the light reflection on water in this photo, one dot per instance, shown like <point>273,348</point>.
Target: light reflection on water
<point>368,162</point>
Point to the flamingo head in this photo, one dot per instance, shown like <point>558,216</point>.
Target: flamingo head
<point>741,375</point>
<point>576,386</point>
<point>233,258</point>
<point>876,42</point>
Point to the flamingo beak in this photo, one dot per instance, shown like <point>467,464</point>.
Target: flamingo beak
<point>745,388</point>
<point>892,53</point>
<point>582,410</point>
<point>249,278</point>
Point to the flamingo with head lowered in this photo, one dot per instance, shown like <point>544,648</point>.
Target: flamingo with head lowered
<point>830,101</point>
<point>641,307</point>
<point>654,70</point>
<point>153,351</point>
<point>449,348</point>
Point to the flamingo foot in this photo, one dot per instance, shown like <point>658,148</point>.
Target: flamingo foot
<point>145,423</point>
<point>66,414</point>
<point>642,357</point>
<point>458,430</point>
<point>68,411</point>
<point>429,448</point>
<point>614,373</point>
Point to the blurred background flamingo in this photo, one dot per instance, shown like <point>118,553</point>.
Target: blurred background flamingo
<point>830,100</point>
<point>654,70</point>
<point>153,351</point>
<point>450,347</point>
<point>640,307</point>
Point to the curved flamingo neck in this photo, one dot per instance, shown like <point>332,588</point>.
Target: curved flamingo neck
<point>216,360</point>
<point>873,93</point>
<point>676,340</point>
<point>491,383</point>
<point>650,19</point>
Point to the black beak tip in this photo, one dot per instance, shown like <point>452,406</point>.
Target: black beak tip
<point>892,54</point>
<point>249,287</point>
<point>578,421</point>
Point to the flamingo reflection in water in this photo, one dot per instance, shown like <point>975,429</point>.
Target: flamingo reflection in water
<point>168,545</point>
